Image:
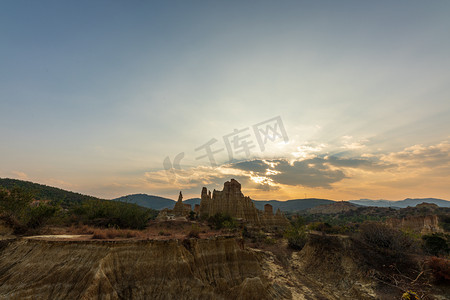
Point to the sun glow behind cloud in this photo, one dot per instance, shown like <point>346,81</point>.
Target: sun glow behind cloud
<point>325,175</point>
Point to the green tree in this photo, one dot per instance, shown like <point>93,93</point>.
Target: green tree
<point>15,202</point>
<point>296,234</point>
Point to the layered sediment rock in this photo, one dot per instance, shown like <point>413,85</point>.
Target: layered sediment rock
<point>189,269</point>
<point>422,224</point>
<point>231,201</point>
<point>273,220</point>
<point>328,267</point>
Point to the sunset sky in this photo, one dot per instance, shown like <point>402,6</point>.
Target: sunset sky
<point>99,97</point>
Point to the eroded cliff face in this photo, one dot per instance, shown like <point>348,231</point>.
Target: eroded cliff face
<point>338,265</point>
<point>328,267</point>
<point>423,224</point>
<point>189,269</point>
<point>220,268</point>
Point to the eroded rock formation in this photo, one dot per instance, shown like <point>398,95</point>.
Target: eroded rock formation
<point>180,210</point>
<point>422,224</point>
<point>231,201</point>
<point>328,267</point>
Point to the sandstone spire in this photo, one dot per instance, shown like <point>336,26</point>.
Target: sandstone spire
<point>179,209</point>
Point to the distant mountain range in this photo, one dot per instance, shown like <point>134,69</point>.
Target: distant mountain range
<point>292,205</point>
<point>401,203</point>
<point>41,191</point>
<point>159,203</point>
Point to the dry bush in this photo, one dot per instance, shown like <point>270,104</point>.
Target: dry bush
<point>99,235</point>
<point>163,233</point>
<point>131,234</point>
<point>382,236</point>
<point>81,229</point>
<point>112,233</point>
<point>194,232</point>
<point>440,268</point>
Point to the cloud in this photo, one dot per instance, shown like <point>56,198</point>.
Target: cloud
<point>190,180</point>
<point>60,183</point>
<point>257,166</point>
<point>421,156</point>
<point>367,173</point>
<point>416,171</point>
<point>312,172</point>
<point>364,163</point>
<point>20,175</point>
<point>308,150</point>
<point>350,144</point>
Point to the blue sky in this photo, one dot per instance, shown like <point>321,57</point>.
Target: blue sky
<point>95,94</point>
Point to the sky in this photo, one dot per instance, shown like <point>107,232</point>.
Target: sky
<point>110,98</point>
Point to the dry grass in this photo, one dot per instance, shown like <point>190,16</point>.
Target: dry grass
<point>104,233</point>
<point>155,231</point>
<point>81,229</point>
<point>112,233</point>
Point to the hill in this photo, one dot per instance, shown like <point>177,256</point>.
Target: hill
<point>149,201</point>
<point>44,192</point>
<point>156,202</point>
<point>401,203</point>
<point>333,208</point>
<point>292,205</point>
<point>64,208</point>
<point>193,201</point>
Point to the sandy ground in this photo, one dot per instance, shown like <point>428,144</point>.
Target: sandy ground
<point>61,236</point>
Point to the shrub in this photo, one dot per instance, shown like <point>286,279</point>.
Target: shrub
<point>194,233</point>
<point>81,229</point>
<point>220,220</point>
<point>270,241</point>
<point>37,216</point>
<point>296,237</point>
<point>15,202</point>
<point>298,221</point>
<point>18,212</point>
<point>382,236</point>
<point>435,244</point>
<point>325,228</point>
<point>112,233</point>
<point>440,268</point>
<point>255,235</point>
<point>444,221</point>
<point>192,215</point>
<point>99,234</point>
<point>108,213</point>
<point>246,233</point>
